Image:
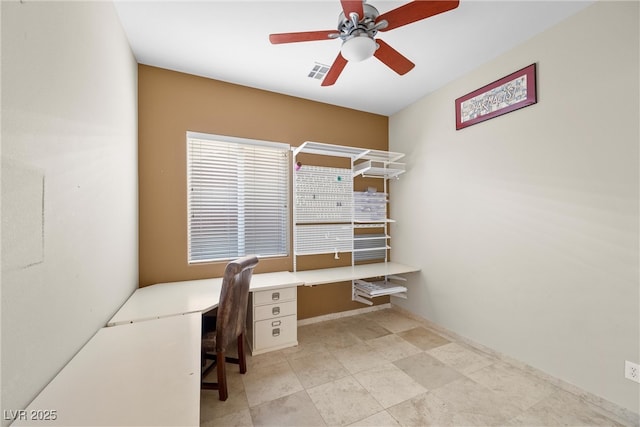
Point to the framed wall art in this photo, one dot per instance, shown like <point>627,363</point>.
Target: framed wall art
<point>512,92</point>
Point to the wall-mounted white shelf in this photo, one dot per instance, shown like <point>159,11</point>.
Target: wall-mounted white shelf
<point>372,225</point>
<point>378,169</point>
<point>363,291</point>
<point>371,237</point>
<point>353,153</point>
<point>330,150</point>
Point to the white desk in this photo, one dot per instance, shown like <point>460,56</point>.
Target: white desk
<point>343,274</point>
<point>190,296</point>
<point>199,296</point>
<point>146,373</point>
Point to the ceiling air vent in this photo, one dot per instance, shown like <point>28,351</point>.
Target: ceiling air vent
<point>318,71</point>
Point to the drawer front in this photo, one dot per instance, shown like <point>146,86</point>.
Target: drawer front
<point>275,332</point>
<point>274,295</point>
<point>270,311</point>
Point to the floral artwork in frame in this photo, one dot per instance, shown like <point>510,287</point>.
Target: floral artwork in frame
<point>512,92</point>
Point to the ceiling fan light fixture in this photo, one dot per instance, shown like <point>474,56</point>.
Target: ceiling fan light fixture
<point>358,48</point>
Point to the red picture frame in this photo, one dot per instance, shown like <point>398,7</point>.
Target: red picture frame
<point>510,93</point>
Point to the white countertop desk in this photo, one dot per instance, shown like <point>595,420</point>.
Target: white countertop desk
<point>199,296</point>
<point>145,373</point>
<point>343,274</point>
<point>189,296</point>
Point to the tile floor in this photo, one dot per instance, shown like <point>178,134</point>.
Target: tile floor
<point>383,368</point>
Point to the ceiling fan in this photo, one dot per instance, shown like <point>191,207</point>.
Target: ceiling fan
<point>359,23</point>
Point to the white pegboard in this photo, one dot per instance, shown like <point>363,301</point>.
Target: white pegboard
<point>323,238</point>
<point>323,194</point>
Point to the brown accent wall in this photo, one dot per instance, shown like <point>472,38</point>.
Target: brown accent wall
<point>172,103</point>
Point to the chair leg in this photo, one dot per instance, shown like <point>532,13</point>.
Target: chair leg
<point>242,360</point>
<point>222,377</point>
<point>221,370</point>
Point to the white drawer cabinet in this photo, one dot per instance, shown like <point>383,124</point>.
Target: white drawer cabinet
<point>272,320</point>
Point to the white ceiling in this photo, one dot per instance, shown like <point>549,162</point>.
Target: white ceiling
<point>229,41</point>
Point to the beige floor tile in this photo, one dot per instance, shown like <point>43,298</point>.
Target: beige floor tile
<point>423,338</point>
<point>427,370</point>
<point>359,357</point>
<point>265,359</point>
<point>316,369</point>
<point>562,409</point>
<point>236,419</point>
<point>341,340</point>
<point>476,403</point>
<point>343,401</point>
<point>392,347</point>
<point>365,329</point>
<point>210,404</point>
<point>460,357</point>
<point>389,385</point>
<point>381,419</point>
<point>302,350</point>
<point>513,385</point>
<point>331,327</point>
<point>332,334</point>
<point>393,320</point>
<point>426,410</point>
<point>271,382</point>
<point>315,333</point>
<point>295,410</point>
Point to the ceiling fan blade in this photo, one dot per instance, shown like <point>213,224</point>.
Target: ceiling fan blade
<point>392,58</point>
<point>306,36</point>
<point>335,70</point>
<point>415,11</point>
<point>349,6</point>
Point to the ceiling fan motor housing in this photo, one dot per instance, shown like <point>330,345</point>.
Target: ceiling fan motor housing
<point>355,26</point>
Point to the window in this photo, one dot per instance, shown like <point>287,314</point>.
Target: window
<point>238,191</point>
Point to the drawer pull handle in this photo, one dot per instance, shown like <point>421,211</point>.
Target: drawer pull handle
<point>275,310</point>
<point>275,332</point>
<point>276,323</point>
<point>275,296</point>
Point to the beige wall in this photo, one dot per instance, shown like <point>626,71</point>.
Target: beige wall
<point>172,103</point>
<point>69,185</point>
<point>526,226</point>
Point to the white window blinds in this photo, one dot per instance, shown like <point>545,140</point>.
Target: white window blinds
<point>237,197</point>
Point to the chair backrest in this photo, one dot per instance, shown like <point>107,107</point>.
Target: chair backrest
<point>234,298</point>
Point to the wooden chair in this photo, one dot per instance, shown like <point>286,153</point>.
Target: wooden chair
<point>230,323</point>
